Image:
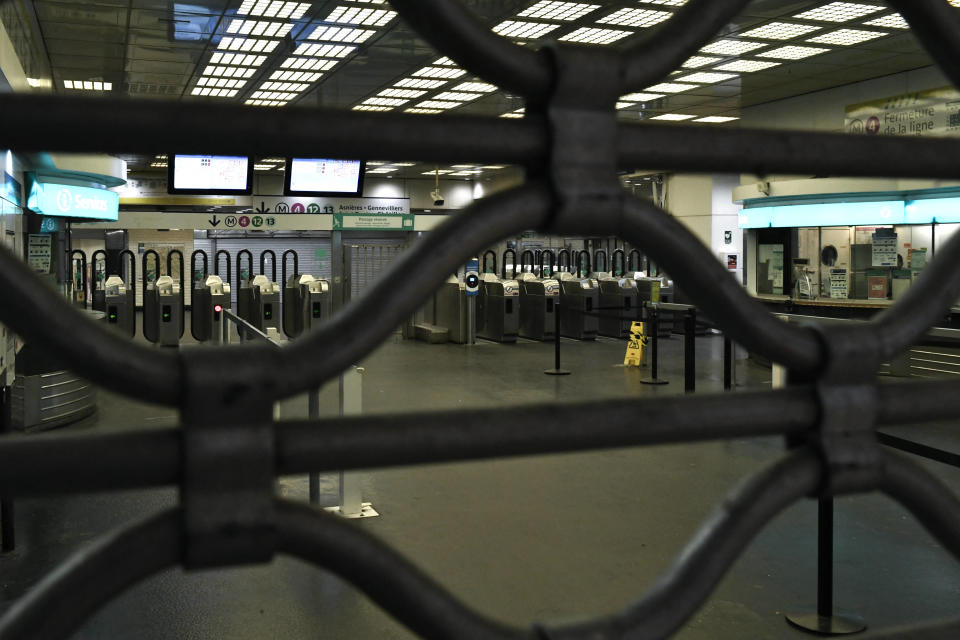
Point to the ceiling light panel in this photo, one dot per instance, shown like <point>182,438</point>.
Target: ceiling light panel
<point>444,62</point>
<point>457,96</point>
<point>370,107</point>
<point>716,119</point>
<point>521,29</point>
<point>707,77</point>
<point>220,82</point>
<point>671,87</point>
<point>422,111</point>
<point>341,34</point>
<point>362,17</point>
<point>213,92</point>
<point>676,117</point>
<point>273,95</point>
<point>563,11</point>
<point>259,28</point>
<point>732,47</point>
<point>636,17</point>
<point>442,172</point>
<point>893,21</point>
<point>386,102</point>
<point>700,61</point>
<point>218,71</point>
<point>779,31</point>
<point>273,9</point>
<point>746,66</point>
<point>383,170</point>
<point>590,35</point>
<point>419,83</point>
<point>295,87</point>
<point>671,3</point>
<point>439,72</point>
<point>792,52</point>
<point>839,12</point>
<point>400,93</point>
<point>88,85</point>
<point>324,50</point>
<point>264,167</point>
<point>847,37</point>
<point>308,64</point>
<point>517,113</point>
<point>641,97</point>
<point>624,105</point>
<point>237,59</point>
<point>265,103</point>
<point>438,104</point>
<point>254,45</point>
<point>475,87</point>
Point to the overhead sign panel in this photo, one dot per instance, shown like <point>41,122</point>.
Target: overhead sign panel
<point>834,214</point>
<point>69,201</point>
<point>935,112</point>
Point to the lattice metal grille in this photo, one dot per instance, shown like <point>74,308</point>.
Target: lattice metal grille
<point>227,453</point>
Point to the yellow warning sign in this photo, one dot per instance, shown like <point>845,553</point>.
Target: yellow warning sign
<point>634,355</point>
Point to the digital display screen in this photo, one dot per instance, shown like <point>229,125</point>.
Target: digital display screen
<point>210,174</point>
<point>324,177</point>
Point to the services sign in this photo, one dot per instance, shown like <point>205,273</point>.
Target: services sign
<point>935,112</point>
<point>69,201</point>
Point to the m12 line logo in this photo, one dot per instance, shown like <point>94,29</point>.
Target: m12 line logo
<point>67,201</point>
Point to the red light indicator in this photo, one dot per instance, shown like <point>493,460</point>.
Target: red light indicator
<point>218,308</point>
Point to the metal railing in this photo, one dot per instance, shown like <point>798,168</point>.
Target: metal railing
<point>228,450</point>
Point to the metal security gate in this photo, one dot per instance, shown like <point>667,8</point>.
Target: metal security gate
<point>228,450</point>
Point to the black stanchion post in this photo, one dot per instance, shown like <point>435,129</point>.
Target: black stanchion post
<point>654,320</point>
<point>7,533</point>
<point>690,351</point>
<point>556,371</point>
<point>727,364</point>
<point>824,622</point>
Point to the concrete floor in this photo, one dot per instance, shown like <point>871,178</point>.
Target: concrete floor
<point>548,538</point>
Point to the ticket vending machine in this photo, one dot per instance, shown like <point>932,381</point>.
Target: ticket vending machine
<point>118,306</point>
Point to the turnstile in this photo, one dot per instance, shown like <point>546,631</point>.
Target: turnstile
<point>538,304</point>
<point>498,312</point>
<point>619,306</point>
<point>209,301</point>
<point>579,299</point>
<point>264,304</point>
<point>119,306</point>
<point>168,322</point>
<point>306,304</point>
<point>451,310</point>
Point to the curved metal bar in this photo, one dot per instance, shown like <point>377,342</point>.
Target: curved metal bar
<point>216,265</point>
<point>746,321</point>
<point>564,253</point>
<point>240,254</point>
<point>925,496</point>
<point>936,24</point>
<point>523,256</point>
<point>623,262</point>
<point>503,263</point>
<point>630,264</point>
<point>93,261</point>
<point>676,40</point>
<point>91,349</point>
<point>296,265</point>
<point>131,275</point>
<point>705,560</point>
<point>596,261</point>
<point>273,264</point>
<point>83,273</point>
<point>76,589</point>
<point>544,254</point>
<point>183,290</point>
<point>489,252</point>
<point>349,335</point>
<point>925,302</point>
<point>456,32</point>
<point>386,577</point>
<point>193,267</point>
<point>580,272</point>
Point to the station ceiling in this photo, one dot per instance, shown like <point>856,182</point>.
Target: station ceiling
<point>359,54</point>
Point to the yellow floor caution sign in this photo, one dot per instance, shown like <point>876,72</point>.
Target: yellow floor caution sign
<point>635,347</point>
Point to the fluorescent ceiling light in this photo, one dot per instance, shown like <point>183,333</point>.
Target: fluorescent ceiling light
<point>463,166</point>
<point>476,87</point>
<point>273,9</point>
<point>40,82</point>
<point>732,47</point>
<point>442,172</point>
<point>295,87</point>
<point>526,30</point>
<point>205,81</point>
<point>493,167</point>
<point>590,35</point>
<point>382,170</point>
<point>422,111</point>
<point>324,50</point>
<point>673,116</point>
<point>746,65</point>
<point>779,31</point>
<point>792,52</point>
<point>88,85</point>
<point>238,59</point>
<point>404,164</point>
<point>400,93</point>
<point>256,45</point>
<point>419,83</point>
<point>386,102</point>
<point>846,37</point>
<point>636,17</point>
<point>700,61</point>
<point>444,62</point>
<point>439,72</point>
<point>438,104</point>
<point>671,87</point>
<point>707,77</point>
<point>641,97</point>
<point>671,3</point>
<point>367,107</point>
<point>893,21</point>
<point>839,12</point>
<point>259,28</point>
<point>308,64</point>
<point>295,76</point>
<point>272,160</point>
<point>214,93</point>
<point>516,113</point>
<point>161,156</point>
<point>265,103</point>
<point>229,72</point>
<point>564,11</point>
<point>457,96</point>
<point>158,165</point>
<point>716,119</point>
<point>364,17</point>
<point>624,105</point>
<point>340,34</point>
<point>264,167</point>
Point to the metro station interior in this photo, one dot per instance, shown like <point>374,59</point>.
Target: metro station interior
<point>479,319</point>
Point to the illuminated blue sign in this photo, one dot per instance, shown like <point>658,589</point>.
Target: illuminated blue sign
<point>933,210</point>
<point>68,201</point>
<point>835,214</point>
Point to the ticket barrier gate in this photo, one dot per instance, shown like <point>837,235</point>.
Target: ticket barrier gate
<point>167,323</point>
<point>451,309</point>
<point>306,304</point>
<point>498,312</point>
<point>99,261</point>
<point>579,300</point>
<point>264,304</point>
<point>619,301</point>
<point>118,306</point>
<point>538,303</point>
<point>209,302</point>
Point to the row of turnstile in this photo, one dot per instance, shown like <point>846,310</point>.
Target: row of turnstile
<point>301,305</point>
<point>526,303</point>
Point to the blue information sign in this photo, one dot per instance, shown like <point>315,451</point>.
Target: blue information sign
<point>69,201</point>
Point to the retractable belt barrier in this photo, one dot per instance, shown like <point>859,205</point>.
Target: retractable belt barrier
<point>571,143</point>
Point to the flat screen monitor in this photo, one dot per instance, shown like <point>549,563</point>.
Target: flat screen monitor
<point>323,177</point>
<point>217,175</point>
